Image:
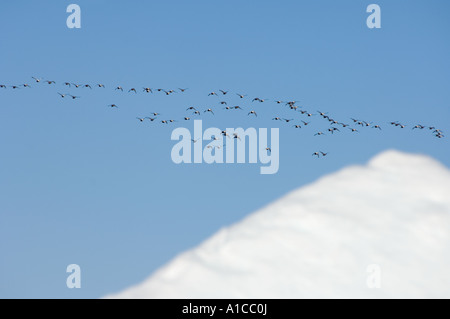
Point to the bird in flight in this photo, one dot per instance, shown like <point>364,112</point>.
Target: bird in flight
<point>252,112</point>
<point>119,88</point>
<point>241,95</point>
<point>320,153</point>
<point>398,124</point>
<point>333,129</point>
<point>260,100</point>
<point>332,122</point>
<point>209,110</point>
<point>74,97</point>
<point>113,105</point>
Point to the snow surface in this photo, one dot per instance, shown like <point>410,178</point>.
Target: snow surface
<point>319,240</point>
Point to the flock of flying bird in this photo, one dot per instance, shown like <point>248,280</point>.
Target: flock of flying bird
<point>335,126</point>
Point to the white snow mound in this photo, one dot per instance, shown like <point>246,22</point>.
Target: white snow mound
<point>322,240</point>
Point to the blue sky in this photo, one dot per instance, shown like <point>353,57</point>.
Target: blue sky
<point>86,184</point>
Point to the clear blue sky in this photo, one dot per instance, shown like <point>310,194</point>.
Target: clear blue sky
<point>86,184</point>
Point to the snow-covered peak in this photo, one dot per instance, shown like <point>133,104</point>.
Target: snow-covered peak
<point>392,216</point>
<point>404,162</point>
